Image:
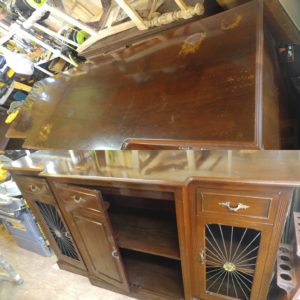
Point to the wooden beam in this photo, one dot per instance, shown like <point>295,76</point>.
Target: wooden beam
<point>292,8</point>
<point>152,9</point>
<point>282,27</point>
<point>132,14</point>
<point>181,4</point>
<point>105,33</point>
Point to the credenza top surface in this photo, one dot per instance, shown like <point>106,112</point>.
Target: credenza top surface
<point>166,167</point>
<point>197,82</point>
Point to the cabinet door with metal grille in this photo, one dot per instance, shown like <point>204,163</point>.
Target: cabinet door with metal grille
<point>56,231</point>
<point>236,230</point>
<point>42,203</point>
<point>230,258</point>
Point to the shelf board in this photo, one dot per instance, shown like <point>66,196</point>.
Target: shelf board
<point>146,233</point>
<point>154,276</point>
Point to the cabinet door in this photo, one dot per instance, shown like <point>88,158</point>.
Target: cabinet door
<point>39,197</point>
<point>236,229</point>
<point>57,232</point>
<point>85,211</point>
<point>230,258</point>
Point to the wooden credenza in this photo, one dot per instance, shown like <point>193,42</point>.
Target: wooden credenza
<point>166,229</point>
<point>211,83</point>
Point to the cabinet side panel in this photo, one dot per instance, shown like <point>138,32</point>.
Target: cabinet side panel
<point>277,232</point>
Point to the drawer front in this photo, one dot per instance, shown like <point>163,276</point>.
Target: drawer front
<point>251,204</point>
<point>32,185</point>
<point>77,196</point>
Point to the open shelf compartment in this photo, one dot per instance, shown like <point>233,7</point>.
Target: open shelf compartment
<point>151,274</point>
<point>145,225</point>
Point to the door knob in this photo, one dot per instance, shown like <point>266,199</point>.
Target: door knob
<point>78,199</point>
<point>202,256</point>
<point>34,188</point>
<point>115,253</point>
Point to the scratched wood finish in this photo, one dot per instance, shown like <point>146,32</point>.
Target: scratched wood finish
<point>197,85</point>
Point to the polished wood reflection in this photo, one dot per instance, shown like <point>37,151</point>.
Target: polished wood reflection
<point>166,166</point>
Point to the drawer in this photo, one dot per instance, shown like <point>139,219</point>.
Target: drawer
<point>251,204</point>
<point>32,185</point>
<point>77,196</point>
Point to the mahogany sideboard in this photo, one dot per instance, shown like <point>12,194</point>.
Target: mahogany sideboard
<point>164,224</point>
<point>211,83</point>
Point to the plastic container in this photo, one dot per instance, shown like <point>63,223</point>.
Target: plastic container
<point>27,234</point>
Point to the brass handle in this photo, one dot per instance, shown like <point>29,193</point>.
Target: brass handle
<point>115,253</point>
<point>34,188</point>
<point>78,199</point>
<point>235,209</point>
<point>202,256</point>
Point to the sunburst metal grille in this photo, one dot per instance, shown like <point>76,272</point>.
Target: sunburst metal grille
<point>231,254</point>
<point>58,230</point>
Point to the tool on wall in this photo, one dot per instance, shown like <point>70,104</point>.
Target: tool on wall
<point>26,35</point>
<point>33,16</point>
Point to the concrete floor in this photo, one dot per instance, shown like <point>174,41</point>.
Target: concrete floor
<point>43,280</point>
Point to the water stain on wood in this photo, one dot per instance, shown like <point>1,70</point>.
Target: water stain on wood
<point>44,133</point>
<point>192,43</point>
<point>225,25</point>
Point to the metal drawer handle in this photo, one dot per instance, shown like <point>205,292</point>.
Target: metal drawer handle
<point>34,188</point>
<point>78,199</point>
<point>235,209</point>
<point>115,253</point>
